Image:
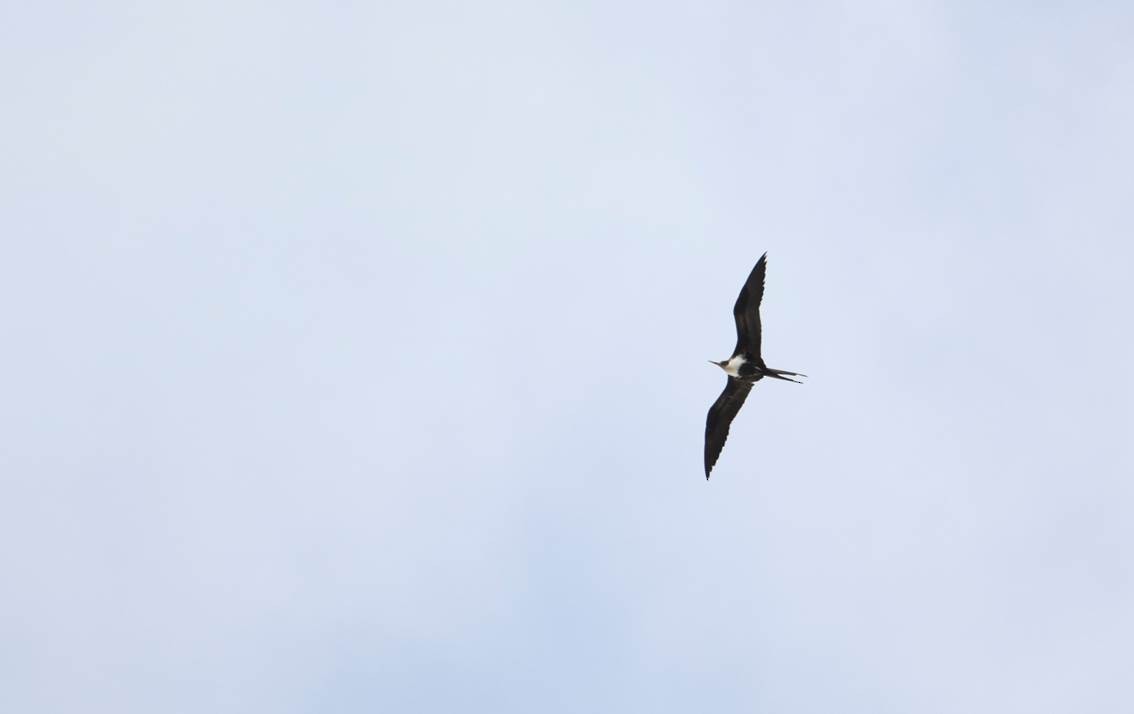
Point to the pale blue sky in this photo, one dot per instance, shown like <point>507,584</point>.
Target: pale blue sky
<point>354,357</point>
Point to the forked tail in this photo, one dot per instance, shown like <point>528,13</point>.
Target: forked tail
<point>779,374</point>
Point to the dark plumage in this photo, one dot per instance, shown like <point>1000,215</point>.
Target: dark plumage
<point>744,368</point>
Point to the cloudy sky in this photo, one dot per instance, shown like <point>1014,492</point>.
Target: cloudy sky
<point>354,357</point>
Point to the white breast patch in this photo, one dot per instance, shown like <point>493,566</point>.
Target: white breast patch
<point>732,369</point>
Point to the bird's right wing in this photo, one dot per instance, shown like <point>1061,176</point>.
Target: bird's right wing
<point>720,417</point>
<point>746,311</point>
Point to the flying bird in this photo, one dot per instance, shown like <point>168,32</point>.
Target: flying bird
<point>744,368</point>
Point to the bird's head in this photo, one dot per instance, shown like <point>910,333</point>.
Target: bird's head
<point>720,364</point>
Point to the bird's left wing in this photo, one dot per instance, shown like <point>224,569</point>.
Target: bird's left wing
<point>720,417</point>
<point>746,311</point>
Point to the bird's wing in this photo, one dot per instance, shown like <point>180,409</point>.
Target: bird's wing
<point>747,312</point>
<point>720,417</point>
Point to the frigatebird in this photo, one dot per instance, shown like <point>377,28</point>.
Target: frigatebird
<point>744,368</point>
